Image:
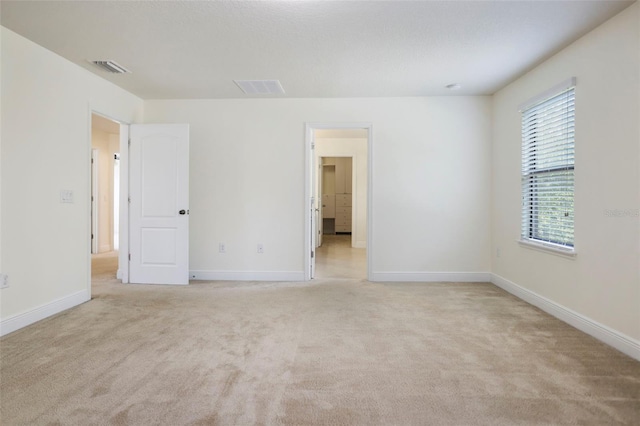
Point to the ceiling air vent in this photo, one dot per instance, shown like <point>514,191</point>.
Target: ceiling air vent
<point>111,67</point>
<point>260,87</point>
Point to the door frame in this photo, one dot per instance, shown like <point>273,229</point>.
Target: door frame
<point>310,169</point>
<point>123,221</point>
<point>95,224</point>
<point>123,262</point>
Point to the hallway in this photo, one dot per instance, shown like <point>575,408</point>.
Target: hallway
<point>104,266</point>
<point>337,259</point>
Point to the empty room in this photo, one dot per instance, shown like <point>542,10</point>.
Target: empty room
<point>320,212</point>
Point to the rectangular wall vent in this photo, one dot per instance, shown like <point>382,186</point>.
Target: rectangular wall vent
<point>111,66</point>
<point>260,87</point>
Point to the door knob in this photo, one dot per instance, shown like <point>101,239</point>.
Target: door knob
<point>182,212</point>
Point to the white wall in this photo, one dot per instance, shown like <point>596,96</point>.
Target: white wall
<point>45,245</point>
<point>602,283</point>
<point>430,183</point>
<point>357,149</point>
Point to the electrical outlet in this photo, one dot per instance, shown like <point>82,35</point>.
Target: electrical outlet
<point>4,281</point>
<point>222,248</point>
<point>260,248</point>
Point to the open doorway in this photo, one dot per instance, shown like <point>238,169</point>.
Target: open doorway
<point>340,177</point>
<point>105,148</point>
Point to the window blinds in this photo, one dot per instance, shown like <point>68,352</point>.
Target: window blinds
<point>548,133</point>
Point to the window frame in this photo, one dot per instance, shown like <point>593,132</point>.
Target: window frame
<point>529,234</point>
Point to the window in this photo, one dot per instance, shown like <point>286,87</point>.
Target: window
<point>548,168</point>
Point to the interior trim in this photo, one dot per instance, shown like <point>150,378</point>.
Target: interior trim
<point>613,338</point>
<point>463,277</point>
<point>18,321</point>
<point>207,275</point>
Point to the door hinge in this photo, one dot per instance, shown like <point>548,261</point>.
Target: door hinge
<point>92,236</point>
<point>313,145</point>
<point>129,142</point>
<point>129,256</point>
<point>129,199</point>
<point>312,254</point>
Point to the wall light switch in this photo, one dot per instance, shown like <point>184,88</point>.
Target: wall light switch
<point>66,196</point>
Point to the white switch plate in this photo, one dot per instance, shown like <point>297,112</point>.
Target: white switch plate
<point>66,196</point>
<point>4,281</point>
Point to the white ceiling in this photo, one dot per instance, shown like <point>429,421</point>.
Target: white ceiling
<point>195,49</point>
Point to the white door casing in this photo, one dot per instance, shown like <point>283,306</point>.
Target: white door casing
<point>95,228</point>
<point>159,204</point>
<point>313,217</point>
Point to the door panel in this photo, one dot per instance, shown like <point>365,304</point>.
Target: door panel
<point>319,212</point>
<point>313,214</point>
<point>158,246</point>
<point>159,206</point>
<point>159,177</point>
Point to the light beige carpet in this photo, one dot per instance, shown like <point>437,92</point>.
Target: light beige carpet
<point>333,352</point>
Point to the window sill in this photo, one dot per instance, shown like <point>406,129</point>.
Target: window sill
<point>550,248</point>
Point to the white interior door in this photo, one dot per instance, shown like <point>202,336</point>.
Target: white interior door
<point>314,210</point>
<point>319,221</point>
<point>313,214</point>
<point>159,204</point>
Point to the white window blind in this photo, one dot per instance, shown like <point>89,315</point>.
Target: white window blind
<point>548,146</point>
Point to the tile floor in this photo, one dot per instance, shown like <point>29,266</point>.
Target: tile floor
<point>337,259</point>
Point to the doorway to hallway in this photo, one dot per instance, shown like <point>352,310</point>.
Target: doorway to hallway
<point>105,148</point>
<point>339,175</point>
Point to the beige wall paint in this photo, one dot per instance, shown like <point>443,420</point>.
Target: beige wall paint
<point>430,180</point>
<point>107,145</point>
<point>357,149</point>
<point>46,103</point>
<point>602,282</point>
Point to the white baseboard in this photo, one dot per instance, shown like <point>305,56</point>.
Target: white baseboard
<point>119,274</point>
<point>247,275</point>
<point>460,277</point>
<point>16,322</point>
<point>621,342</point>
